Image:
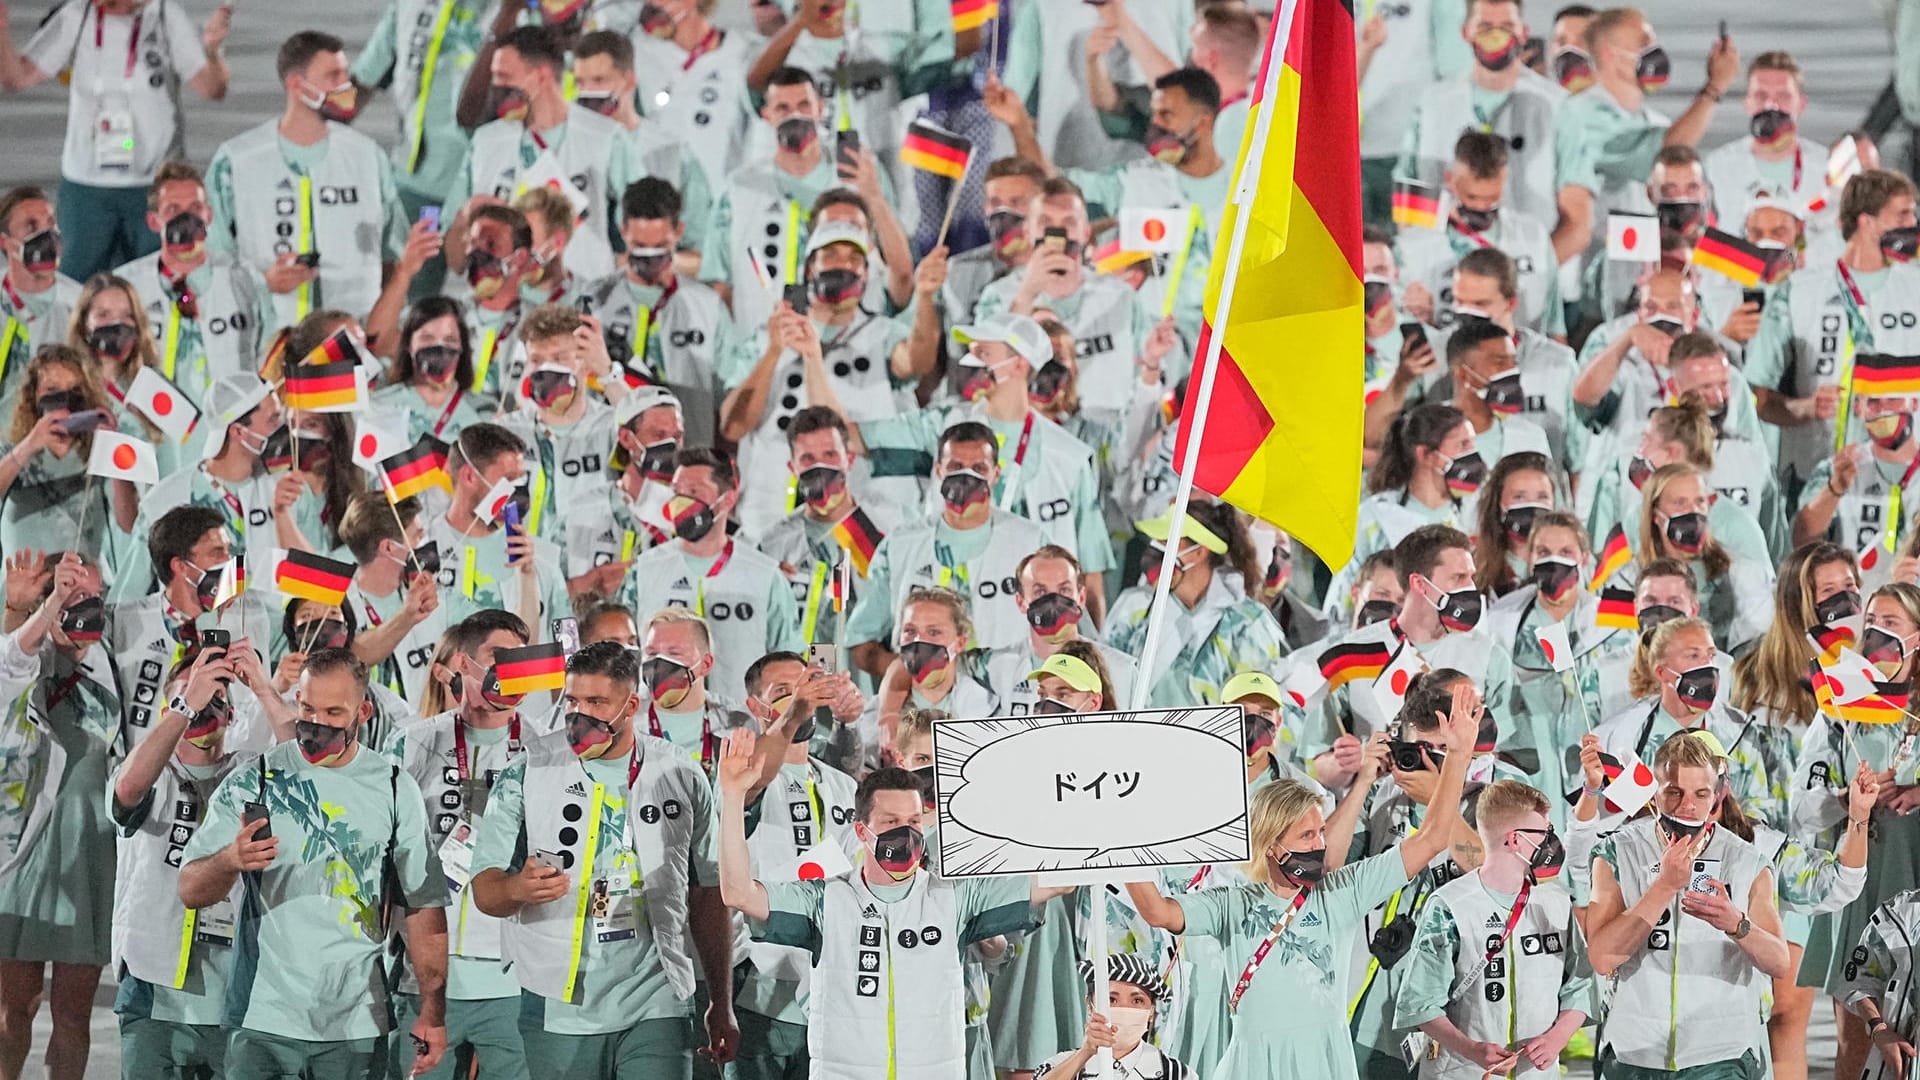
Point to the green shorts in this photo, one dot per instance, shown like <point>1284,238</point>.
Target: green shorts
<point>649,1050</point>
<point>174,1051</point>
<point>256,1055</point>
<point>486,1029</point>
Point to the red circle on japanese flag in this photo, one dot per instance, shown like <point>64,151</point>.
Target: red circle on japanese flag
<point>1630,237</point>
<point>1400,681</point>
<point>499,504</point>
<point>368,444</point>
<point>1154,230</point>
<point>812,871</point>
<point>1642,776</point>
<point>162,404</point>
<point>124,456</point>
<point>1547,647</point>
<point>1297,699</point>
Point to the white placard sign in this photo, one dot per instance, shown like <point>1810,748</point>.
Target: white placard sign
<point>1092,791</point>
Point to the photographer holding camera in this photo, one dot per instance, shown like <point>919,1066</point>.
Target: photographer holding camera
<point>1688,959</point>
<point>1396,807</point>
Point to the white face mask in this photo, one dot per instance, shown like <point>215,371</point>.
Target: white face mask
<point>1132,1024</point>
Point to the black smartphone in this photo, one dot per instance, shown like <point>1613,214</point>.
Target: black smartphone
<point>251,812</point>
<point>1055,237</point>
<point>211,640</point>
<point>426,558</point>
<point>796,297</point>
<point>82,422</point>
<point>1756,297</point>
<point>846,150</point>
<point>1412,336</point>
<point>308,259</point>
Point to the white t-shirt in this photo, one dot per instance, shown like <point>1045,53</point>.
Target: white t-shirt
<point>116,74</point>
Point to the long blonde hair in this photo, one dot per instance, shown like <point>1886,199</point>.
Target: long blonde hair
<point>1641,680</point>
<point>1908,597</point>
<point>1688,424</point>
<point>144,354</point>
<point>1276,809</point>
<point>1653,540</point>
<point>1773,676</point>
<point>26,412</point>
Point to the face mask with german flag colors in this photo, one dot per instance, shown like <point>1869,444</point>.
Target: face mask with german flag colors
<point>1054,616</point>
<point>207,728</point>
<point>1889,430</point>
<point>589,736</point>
<point>692,519</point>
<point>667,679</point>
<point>321,744</point>
<point>1495,48</point>
<point>925,660</point>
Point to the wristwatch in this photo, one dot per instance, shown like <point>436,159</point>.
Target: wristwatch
<point>178,704</point>
<point>1739,933</point>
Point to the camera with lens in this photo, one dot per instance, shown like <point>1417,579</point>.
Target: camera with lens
<point>1408,756</point>
<point>1391,941</point>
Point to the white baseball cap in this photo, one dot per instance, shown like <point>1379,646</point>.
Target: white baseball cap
<point>229,399</point>
<point>837,232</point>
<point>1020,332</point>
<point>639,400</point>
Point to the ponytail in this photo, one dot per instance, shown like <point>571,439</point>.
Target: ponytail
<point>1421,426</point>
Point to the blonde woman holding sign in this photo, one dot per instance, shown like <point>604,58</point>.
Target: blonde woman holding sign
<point>1291,924</point>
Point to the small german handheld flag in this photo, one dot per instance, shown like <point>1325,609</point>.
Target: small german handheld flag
<point>1352,660</point>
<point>858,534</point>
<point>1887,705</point>
<point>1616,610</point>
<point>1614,554</point>
<point>325,380</point>
<point>1415,204</point>
<point>1110,258</point>
<point>1731,255</point>
<point>536,667</point>
<point>1878,373</point>
<point>1830,638</point>
<point>973,14</point>
<point>415,469</point>
<point>934,149</point>
<point>313,577</point>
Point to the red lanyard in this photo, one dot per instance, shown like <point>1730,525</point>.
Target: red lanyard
<point>633,764</point>
<point>1266,944</point>
<point>1853,289</point>
<point>61,689</point>
<point>118,394</point>
<point>1795,186</point>
<point>1026,434</point>
<point>233,504</point>
<point>1513,920</point>
<point>13,297</point>
<point>133,39</point>
<point>1467,231</point>
<point>707,745</point>
<point>705,46</point>
<point>446,414</point>
<point>182,293</point>
<point>1199,877</point>
<point>719,564</point>
<point>460,740</point>
<point>535,136</point>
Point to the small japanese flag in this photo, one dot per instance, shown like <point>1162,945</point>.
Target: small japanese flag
<point>1158,231</point>
<point>156,399</point>
<point>1851,677</point>
<point>1632,789</point>
<point>493,506</point>
<point>378,434</point>
<point>1553,642</point>
<point>1305,686</point>
<point>545,172</point>
<point>1633,237</point>
<point>233,579</point>
<point>1843,162</point>
<point>1390,689</point>
<point>822,862</point>
<point>1869,556</point>
<point>118,457</point>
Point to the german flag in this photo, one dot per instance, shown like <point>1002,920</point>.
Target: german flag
<point>1352,660</point>
<point>1828,640</point>
<point>416,469</point>
<point>932,148</point>
<point>536,667</point>
<point>313,577</point>
<point>1613,555</point>
<point>857,533</point>
<point>1878,373</point>
<point>1290,330</point>
<point>1731,255</point>
<point>319,387</point>
<point>1109,258</point>
<point>973,14</point>
<point>1887,705</point>
<point>1617,610</point>
<point>1415,205</point>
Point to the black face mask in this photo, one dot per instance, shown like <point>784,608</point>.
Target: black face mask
<point>1374,611</point>
<point>818,484</point>
<point>1680,217</point>
<point>1572,68</point>
<point>1653,69</point>
<point>1680,828</point>
<point>1050,707</point>
<point>207,589</point>
<point>1053,614</point>
<point>1547,858</point>
<point>1880,648</point>
<point>183,230</point>
<point>694,523</point>
<point>1696,687</point>
<point>963,489</point>
<point>1837,608</point>
<point>1303,868</point>
<point>436,362</point>
<point>1045,384</point>
<point>898,851</point>
<point>84,622</point>
<point>1465,475</point>
<point>835,285</point>
<point>508,103</point>
<point>656,460</point>
<point>1477,220</point>
<point>277,451</point>
<point>1639,470</point>
<point>923,659</point>
<point>1504,395</point>
<point>1003,224</point>
<point>1167,145</point>
<point>426,560</point>
<point>490,692</point>
<point>1687,532</point>
<point>1555,577</point>
<point>1900,244</point>
<point>56,400</point>
<point>1256,733</point>
<point>796,133</point>
<point>314,449</point>
<point>322,634</point>
<point>1668,325</point>
<point>41,252</point>
<point>113,341</point>
<point>1376,295</point>
<point>649,268</point>
<point>318,741</point>
<point>604,104</point>
<point>1770,126</point>
<point>1459,611</point>
<point>1518,520</point>
<point>1653,615</point>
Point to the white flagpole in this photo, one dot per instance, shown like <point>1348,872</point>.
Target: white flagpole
<point>1243,193</point>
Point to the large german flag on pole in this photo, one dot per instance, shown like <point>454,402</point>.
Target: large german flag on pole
<point>1276,398</point>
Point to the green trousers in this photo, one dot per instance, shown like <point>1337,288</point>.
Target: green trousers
<point>649,1050</point>
<point>770,1049</point>
<point>486,1029</point>
<point>256,1055</point>
<point>172,1051</point>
